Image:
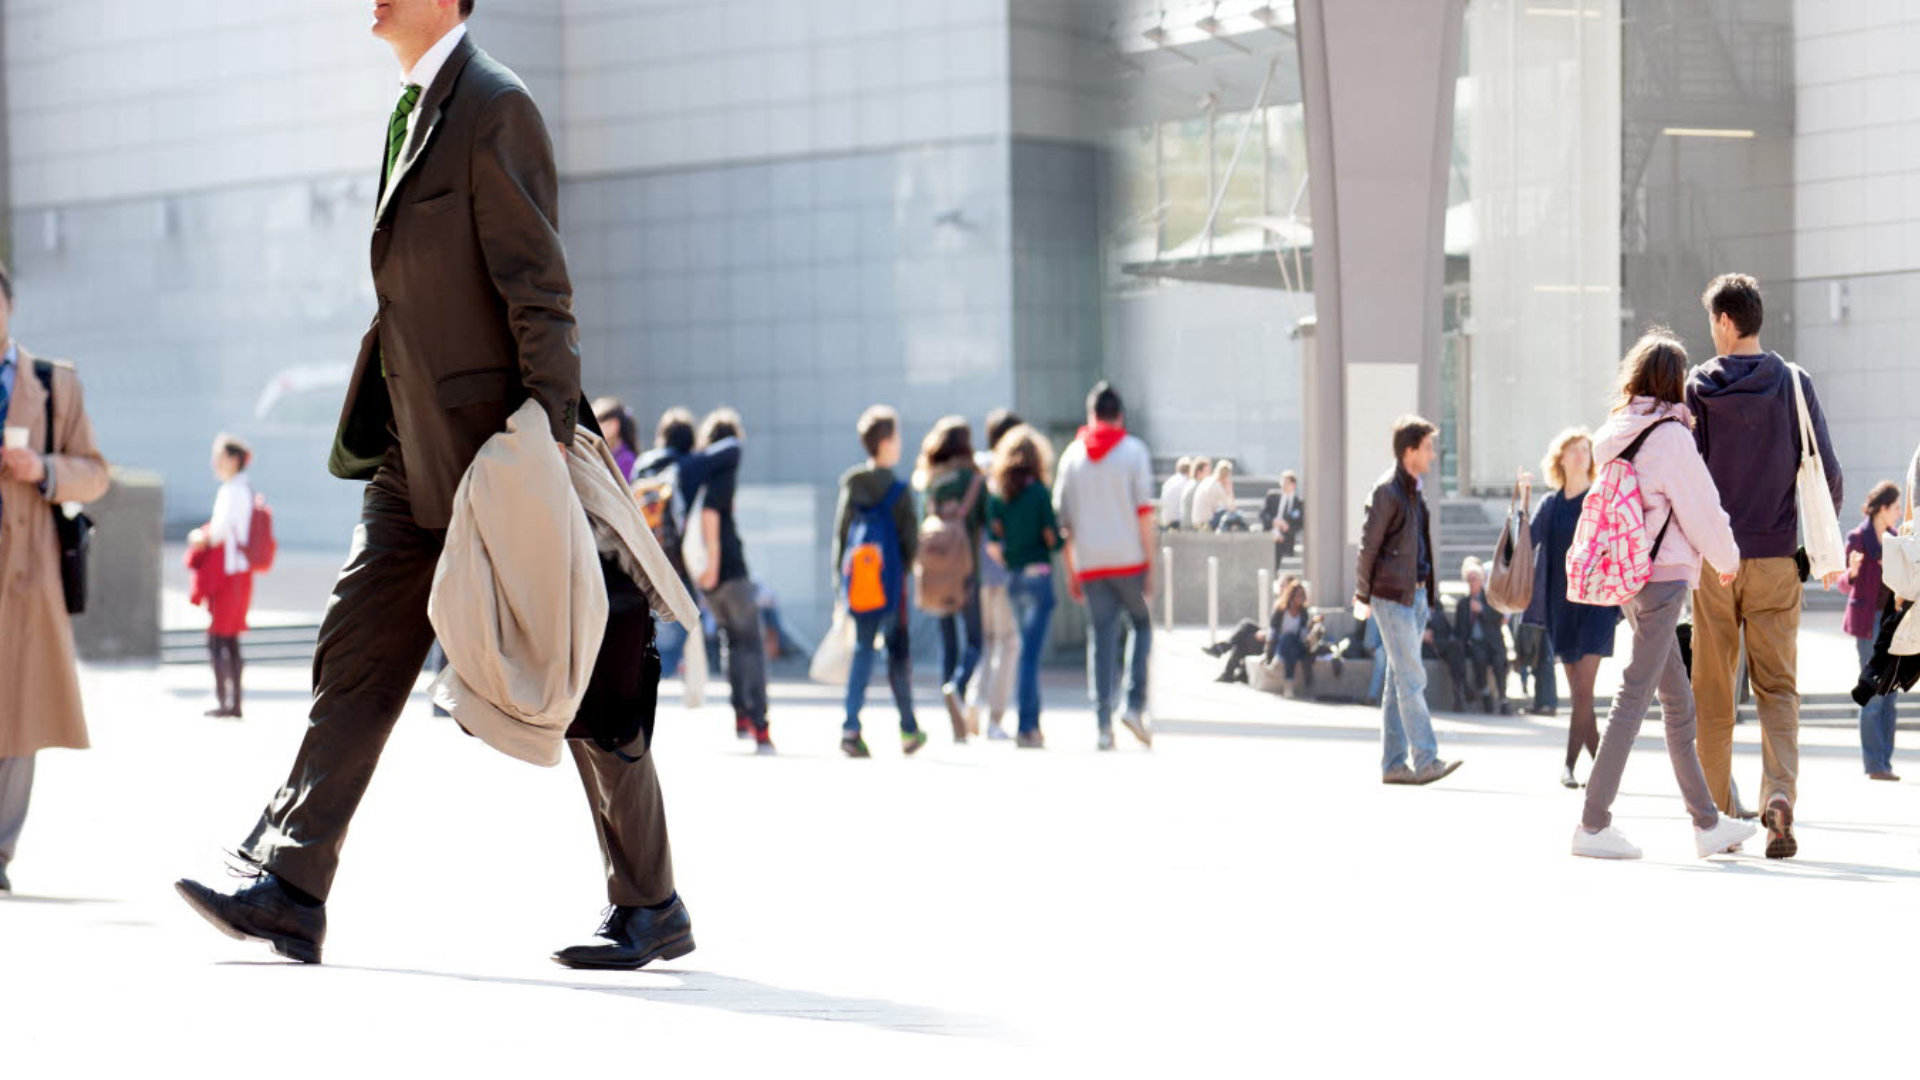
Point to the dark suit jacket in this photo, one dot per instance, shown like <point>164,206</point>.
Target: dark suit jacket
<point>476,309</point>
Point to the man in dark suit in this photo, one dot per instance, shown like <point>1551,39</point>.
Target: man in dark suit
<point>1284,515</point>
<point>475,317</point>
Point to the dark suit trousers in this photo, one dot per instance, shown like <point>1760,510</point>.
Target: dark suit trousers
<point>373,642</point>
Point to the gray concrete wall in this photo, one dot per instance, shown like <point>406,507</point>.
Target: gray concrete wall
<point>122,620</point>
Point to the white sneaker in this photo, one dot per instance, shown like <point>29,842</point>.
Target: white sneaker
<point>1608,843</point>
<point>1726,835</point>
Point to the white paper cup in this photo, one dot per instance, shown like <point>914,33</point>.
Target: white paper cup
<point>17,438</point>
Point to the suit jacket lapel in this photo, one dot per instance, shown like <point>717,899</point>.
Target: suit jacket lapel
<point>431,102</point>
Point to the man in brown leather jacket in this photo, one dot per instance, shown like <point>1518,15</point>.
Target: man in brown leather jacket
<point>475,319</point>
<point>1397,582</point>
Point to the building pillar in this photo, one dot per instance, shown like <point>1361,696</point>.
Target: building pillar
<point>1377,80</point>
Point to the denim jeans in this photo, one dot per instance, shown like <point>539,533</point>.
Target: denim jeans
<point>893,623</point>
<point>1031,592</point>
<point>671,639</point>
<point>957,659</point>
<point>1107,600</point>
<point>1404,717</point>
<point>1377,681</point>
<point>1876,723</point>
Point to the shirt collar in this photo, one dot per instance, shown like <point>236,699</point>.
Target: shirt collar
<point>429,65</point>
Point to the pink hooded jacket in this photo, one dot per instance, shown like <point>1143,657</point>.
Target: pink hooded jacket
<point>1674,484</point>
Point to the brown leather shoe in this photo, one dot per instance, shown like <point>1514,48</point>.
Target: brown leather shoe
<point>1887,776</point>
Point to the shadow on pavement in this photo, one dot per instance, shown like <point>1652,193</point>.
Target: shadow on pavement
<point>748,998</point>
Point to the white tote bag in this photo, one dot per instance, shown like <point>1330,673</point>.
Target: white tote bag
<point>1819,525</point>
<point>1906,636</point>
<point>833,660</point>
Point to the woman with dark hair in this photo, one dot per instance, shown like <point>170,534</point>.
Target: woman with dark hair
<point>953,489</point>
<point>1864,601</point>
<point>1025,535</point>
<point>1651,431</point>
<point>1579,635</point>
<point>222,575</point>
<point>622,434</point>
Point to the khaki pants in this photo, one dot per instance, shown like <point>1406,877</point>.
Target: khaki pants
<point>1763,604</point>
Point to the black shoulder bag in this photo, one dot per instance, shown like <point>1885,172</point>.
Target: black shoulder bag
<point>76,530</point>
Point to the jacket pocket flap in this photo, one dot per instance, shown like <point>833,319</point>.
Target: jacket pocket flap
<point>473,387</point>
<point>435,205</point>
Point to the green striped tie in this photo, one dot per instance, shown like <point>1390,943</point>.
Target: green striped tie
<point>397,127</point>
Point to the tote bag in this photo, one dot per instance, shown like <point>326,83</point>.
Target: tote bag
<point>1510,584</point>
<point>833,660</point>
<point>1819,525</point>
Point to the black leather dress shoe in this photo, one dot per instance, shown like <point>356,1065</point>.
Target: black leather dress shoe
<point>5,885</point>
<point>262,911</point>
<point>632,938</point>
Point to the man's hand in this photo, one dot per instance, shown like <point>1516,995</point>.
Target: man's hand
<point>1146,583</point>
<point>23,465</point>
<point>1728,579</point>
<point>710,577</point>
<point>1074,590</point>
<point>1834,579</point>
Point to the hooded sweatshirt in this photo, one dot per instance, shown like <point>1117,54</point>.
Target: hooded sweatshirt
<point>1675,486</point>
<point>1104,486</point>
<point>863,486</point>
<point>1748,431</point>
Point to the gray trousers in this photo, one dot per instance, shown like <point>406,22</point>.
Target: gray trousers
<point>1655,667</point>
<point>16,787</point>
<point>738,617</point>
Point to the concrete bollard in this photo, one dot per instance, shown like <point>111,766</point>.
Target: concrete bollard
<point>1264,599</point>
<point>1166,585</point>
<point>1213,599</point>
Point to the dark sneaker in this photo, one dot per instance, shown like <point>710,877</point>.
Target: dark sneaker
<point>854,746</point>
<point>6,887</point>
<point>1029,740</point>
<point>764,748</point>
<point>912,741</point>
<point>1106,739</point>
<point>1399,774</point>
<point>1435,770</point>
<point>1887,776</point>
<point>1780,841</point>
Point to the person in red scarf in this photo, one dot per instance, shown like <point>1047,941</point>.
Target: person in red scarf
<point>222,576</point>
<point>1104,500</point>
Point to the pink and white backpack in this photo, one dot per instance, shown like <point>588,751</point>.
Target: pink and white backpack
<point>1611,560</point>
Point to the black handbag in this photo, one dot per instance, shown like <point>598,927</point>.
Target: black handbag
<point>617,712</point>
<point>75,529</point>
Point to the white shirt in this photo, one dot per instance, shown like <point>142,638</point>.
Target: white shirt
<point>424,71</point>
<point>232,522</point>
<point>1172,495</point>
<point>1208,501</point>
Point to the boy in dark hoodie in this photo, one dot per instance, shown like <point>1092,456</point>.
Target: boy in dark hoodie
<point>1748,430</point>
<point>865,487</point>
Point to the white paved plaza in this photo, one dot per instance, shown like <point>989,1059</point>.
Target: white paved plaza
<point>1245,900</point>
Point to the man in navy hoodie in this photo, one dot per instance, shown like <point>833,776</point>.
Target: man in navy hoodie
<point>1748,429</point>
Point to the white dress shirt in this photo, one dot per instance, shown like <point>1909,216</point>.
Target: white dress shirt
<point>232,522</point>
<point>422,75</point>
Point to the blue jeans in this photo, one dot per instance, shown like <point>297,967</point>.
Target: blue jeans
<point>1107,599</point>
<point>671,639</point>
<point>1031,593</point>
<point>959,658</point>
<point>1876,723</point>
<point>1377,681</point>
<point>1404,716</point>
<point>893,622</point>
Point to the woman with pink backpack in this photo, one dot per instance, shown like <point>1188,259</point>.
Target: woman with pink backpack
<point>1651,516</point>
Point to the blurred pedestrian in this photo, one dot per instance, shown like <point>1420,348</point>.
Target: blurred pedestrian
<point>725,583</point>
<point>1025,534</point>
<point>665,481</point>
<point>1649,430</point>
<point>948,569</point>
<point>874,538</point>
<point>49,458</point>
<point>1480,630</point>
<point>1580,635</point>
<point>1173,493</point>
<point>1399,587</point>
<point>1862,622</point>
<point>1284,514</point>
<point>1747,426</point>
<point>1103,500</point>
<point>622,433</point>
<point>999,626</point>
<point>217,553</point>
<point>1202,472</point>
<point>1214,499</point>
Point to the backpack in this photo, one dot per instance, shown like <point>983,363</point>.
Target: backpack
<point>1610,560</point>
<point>944,562</point>
<point>658,494</point>
<point>871,579</point>
<point>261,547</point>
